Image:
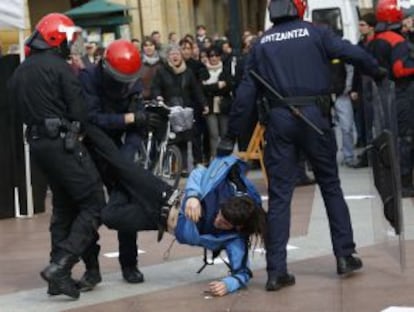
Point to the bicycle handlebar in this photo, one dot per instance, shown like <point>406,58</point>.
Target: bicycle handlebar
<point>157,107</point>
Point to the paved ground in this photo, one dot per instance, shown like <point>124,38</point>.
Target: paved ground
<point>172,284</point>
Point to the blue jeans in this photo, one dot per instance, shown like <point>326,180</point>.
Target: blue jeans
<point>345,119</point>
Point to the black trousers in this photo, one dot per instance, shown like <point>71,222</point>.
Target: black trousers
<point>128,249</point>
<point>136,195</point>
<point>77,195</point>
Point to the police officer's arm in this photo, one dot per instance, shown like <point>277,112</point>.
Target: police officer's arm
<point>238,257</point>
<point>402,62</point>
<point>336,47</point>
<point>245,100</point>
<point>72,94</point>
<point>94,104</point>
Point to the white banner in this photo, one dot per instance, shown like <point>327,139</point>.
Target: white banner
<point>12,14</point>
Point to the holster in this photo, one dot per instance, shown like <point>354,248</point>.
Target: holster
<point>324,102</point>
<point>325,105</point>
<point>72,135</point>
<point>52,127</point>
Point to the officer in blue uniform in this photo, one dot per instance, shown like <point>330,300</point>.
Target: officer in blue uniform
<point>293,57</point>
<point>113,92</point>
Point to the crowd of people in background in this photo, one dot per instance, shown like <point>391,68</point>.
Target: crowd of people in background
<point>212,72</point>
<point>217,71</point>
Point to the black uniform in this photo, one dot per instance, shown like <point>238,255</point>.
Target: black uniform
<point>49,98</point>
<point>107,104</point>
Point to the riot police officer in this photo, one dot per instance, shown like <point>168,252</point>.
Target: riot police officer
<point>293,57</point>
<point>393,52</point>
<point>113,93</point>
<point>49,98</point>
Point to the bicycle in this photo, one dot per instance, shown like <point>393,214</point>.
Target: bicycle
<point>159,154</point>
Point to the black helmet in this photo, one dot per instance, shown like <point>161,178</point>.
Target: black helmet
<point>282,9</point>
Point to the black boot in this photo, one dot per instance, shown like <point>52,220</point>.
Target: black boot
<point>92,275</point>
<point>58,275</point>
<point>53,289</point>
<point>347,264</point>
<point>276,283</point>
<point>171,200</point>
<point>132,275</point>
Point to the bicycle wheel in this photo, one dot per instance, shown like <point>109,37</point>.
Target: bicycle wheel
<point>171,166</point>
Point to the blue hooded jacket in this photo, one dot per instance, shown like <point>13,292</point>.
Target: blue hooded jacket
<point>211,187</point>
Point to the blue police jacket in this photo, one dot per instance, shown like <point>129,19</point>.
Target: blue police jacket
<point>108,101</point>
<point>293,57</point>
<point>211,187</point>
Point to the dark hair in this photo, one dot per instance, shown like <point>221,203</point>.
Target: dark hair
<point>146,40</point>
<point>172,33</point>
<point>214,51</point>
<point>189,37</point>
<point>369,18</point>
<point>241,211</point>
<point>184,42</point>
<point>223,42</point>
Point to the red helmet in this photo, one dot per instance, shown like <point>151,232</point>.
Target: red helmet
<point>122,60</point>
<point>389,11</point>
<point>279,9</point>
<point>53,30</point>
<point>300,7</point>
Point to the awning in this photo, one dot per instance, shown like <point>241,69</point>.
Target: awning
<point>96,7</point>
<point>103,21</point>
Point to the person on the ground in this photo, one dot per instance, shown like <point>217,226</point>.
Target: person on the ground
<point>221,210</point>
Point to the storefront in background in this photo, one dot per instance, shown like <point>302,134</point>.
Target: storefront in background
<point>102,21</point>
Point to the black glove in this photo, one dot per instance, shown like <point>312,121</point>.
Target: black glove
<point>380,74</point>
<point>147,119</point>
<point>140,118</point>
<point>225,146</point>
<point>155,121</point>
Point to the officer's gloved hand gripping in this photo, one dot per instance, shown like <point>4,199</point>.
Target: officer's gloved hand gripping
<point>381,74</point>
<point>226,145</point>
<point>150,120</point>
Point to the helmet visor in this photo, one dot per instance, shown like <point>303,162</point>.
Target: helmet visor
<point>281,8</point>
<point>72,33</point>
